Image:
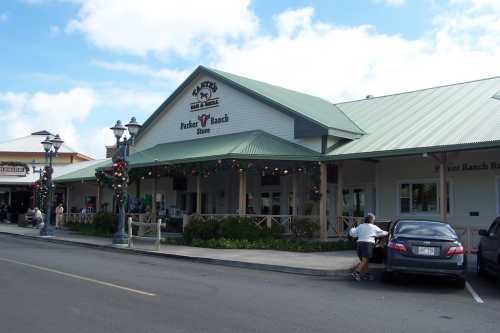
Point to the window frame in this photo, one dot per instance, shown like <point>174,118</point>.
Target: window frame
<point>412,182</point>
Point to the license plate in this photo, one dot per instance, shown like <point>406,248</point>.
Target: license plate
<point>426,251</point>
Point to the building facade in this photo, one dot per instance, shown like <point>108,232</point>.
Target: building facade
<point>224,144</point>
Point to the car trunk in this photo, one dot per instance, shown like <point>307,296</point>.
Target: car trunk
<point>426,247</point>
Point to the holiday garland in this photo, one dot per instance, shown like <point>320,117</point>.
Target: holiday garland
<point>118,176</point>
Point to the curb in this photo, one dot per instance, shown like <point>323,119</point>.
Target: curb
<point>220,262</point>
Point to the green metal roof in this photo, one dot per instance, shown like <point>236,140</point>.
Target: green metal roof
<point>316,109</point>
<point>310,108</point>
<point>244,145</point>
<point>84,171</point>
<point>454,117</point>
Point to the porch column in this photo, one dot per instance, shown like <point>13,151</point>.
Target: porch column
<point>67,199</point>
<point>198,194</point>
<point>98,199</point>
<point>443,188</point>
<point>323,218</point>
<point>340,197</point>
<point>243,194</point>
<point>294,194</point>
<point>155,190</point>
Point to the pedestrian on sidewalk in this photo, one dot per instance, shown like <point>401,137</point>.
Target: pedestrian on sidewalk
<point>59,215</point>
<point>366,234</point>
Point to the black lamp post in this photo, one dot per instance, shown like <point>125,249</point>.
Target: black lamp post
<point>51,147</point>
<point>120,175</point>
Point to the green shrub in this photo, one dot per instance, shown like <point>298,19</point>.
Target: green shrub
<point>106,222</point>
<point>234,227</point>
<point>303,228</point>
<point>200,229</point>
<point>274,244</point>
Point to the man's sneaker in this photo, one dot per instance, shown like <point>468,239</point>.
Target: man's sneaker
<point>368,277</point>
<point>355,275</point>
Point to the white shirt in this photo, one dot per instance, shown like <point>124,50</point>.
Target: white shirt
<point>367,232</point>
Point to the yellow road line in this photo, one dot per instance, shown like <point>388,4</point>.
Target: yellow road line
<point>83,278</point>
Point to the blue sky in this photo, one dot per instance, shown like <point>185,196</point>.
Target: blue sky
<point>75,66</point>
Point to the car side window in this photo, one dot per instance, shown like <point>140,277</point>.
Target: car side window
<point>493,229</point>
<point>497,233</point>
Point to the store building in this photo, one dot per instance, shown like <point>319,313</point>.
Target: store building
<point>225,144</point>
<point>17,158</point>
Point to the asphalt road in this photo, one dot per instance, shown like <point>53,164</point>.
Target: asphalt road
<point>47,287</point>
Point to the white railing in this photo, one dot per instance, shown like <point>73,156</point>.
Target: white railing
<point>147,228</point>
<point>266,221</point>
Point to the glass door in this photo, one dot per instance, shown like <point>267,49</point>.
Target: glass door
<point>354,202</point>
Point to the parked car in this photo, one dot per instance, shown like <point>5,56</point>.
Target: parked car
<point>425,247</point>
<point>488,253</point>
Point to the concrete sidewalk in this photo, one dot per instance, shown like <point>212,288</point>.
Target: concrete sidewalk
<point>316,263</point>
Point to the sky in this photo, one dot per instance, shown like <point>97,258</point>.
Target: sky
<point>74,67</point>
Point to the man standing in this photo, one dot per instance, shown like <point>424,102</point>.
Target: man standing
<point>366,234</point>
<point>59,215</point>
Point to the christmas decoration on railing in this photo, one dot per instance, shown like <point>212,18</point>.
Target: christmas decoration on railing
<point>207,169</point>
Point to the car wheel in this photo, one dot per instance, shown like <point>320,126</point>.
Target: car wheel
<point>387,277</point>
<point>460,283</point>
<point>479,265</point>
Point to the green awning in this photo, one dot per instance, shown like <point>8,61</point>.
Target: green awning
<point>245,145</point>
<point>84,171</point>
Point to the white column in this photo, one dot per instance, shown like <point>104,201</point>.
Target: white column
<point>323,219</point>
<point>243,194</point>
<point>155,190</point>
<point>443,188</point>
<point>98,199</point>
<point>295,189</point>
<point>198,194</point>
<point>340,198</point>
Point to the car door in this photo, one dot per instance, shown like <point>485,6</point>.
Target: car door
<point>488,244</point>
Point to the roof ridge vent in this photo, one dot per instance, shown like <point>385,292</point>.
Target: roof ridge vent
<point>44,132</point>
<point>369,96</point>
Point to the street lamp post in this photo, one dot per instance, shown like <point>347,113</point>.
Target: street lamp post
<point>120,175</point>
<point>51,147</point>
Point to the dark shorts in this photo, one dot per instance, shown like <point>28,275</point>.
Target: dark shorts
<point>365,249</point>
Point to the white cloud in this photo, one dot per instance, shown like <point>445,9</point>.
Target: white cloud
<point>174,75</point>
<point>182,27</point>
<point>392,2</point>
<point>4,17</point>
<point>66,112</point>
<point>131,101</point>
<point>59,113</point>
<point>342,63</point>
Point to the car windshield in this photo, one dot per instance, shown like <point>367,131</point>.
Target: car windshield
<point>422,228</point>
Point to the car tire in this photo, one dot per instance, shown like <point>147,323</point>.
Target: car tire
<point>387,277</point>
<point>460,283</point>
<point>479,265</point>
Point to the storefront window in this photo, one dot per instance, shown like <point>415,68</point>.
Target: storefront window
<point>420,198</point>
<point>270,203</point>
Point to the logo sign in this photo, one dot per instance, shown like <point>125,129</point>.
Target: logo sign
<point>12,170</point>
<point>203,123</point>
<point>205,96</point>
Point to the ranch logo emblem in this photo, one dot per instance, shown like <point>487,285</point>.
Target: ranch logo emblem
<point>204,94</point>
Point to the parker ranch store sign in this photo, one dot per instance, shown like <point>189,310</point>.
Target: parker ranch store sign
<point>205,95</point>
